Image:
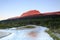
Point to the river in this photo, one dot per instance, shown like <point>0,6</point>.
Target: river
<point>23,34</point>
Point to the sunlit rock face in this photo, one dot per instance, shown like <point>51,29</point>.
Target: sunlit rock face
<point>29,13</point>
<point>36,12</point>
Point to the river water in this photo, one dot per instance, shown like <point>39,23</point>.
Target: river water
<point>23,34</point>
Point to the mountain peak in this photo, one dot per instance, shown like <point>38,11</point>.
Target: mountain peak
<point>29,13</point>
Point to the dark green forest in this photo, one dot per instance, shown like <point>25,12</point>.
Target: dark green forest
<point>50,21</point>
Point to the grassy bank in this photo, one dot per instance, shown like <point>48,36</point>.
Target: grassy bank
<point>56,30</point>
<point>52,35</point>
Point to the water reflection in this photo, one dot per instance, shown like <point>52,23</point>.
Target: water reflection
<point>37,33</point>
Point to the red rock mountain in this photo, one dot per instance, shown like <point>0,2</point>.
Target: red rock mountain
<point>36,13</point>
<point>30,13</point>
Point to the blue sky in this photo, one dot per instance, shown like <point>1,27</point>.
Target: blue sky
<point>11,8</point>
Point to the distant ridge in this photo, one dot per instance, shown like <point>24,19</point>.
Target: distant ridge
<point>36,13</point>
<point>52,13</point>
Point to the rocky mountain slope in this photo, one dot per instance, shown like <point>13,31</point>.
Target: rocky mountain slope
<point>49,19</point>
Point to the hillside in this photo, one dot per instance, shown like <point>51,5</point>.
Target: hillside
<point>50,20</point>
